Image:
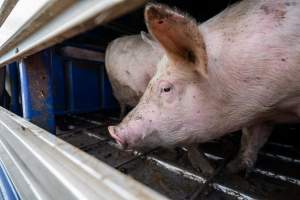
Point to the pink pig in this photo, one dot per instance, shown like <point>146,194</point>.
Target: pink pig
<point>130,63</point>
<point>238,70</point>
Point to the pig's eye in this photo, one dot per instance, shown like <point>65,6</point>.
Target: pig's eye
<point>165,87</point>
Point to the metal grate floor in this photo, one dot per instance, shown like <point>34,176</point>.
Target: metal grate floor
<point>276,175</point>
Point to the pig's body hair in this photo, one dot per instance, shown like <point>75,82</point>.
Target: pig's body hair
<point>171,11</point>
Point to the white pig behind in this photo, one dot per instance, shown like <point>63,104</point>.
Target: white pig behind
<point>130,64</point>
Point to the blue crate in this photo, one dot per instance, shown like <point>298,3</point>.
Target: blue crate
<point>68,86</point>
<point>80,86</point>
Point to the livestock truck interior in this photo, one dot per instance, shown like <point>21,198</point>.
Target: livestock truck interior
<point>81,105</point>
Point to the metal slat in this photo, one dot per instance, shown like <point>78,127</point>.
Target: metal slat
<point>26,17</point>
<point>77,18</point>
<point>179,171</point>
<point>281,178</point>
<point>7,189</point>
<point>43,166</point>
<point>5,8</point>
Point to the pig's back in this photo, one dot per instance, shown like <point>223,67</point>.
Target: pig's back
<point>255,44</point>
<point>130,64</point>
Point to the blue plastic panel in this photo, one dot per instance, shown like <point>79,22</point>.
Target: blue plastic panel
<point>2,86</point>
<point>53,85</point>
<point>108,100</point>
<point>12,73</point>
<point>59,87</point>
<point>83,81</point>
<point>80,86</point>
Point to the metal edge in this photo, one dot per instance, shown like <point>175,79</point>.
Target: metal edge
<point>5,9</point>
<point>7,188</point>
<point>79,17</point>
<point>45,167</point>
<point>48,10</point>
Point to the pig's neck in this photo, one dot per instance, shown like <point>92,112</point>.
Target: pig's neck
<point>248,80</point>
<point>241,87</point>
<point>222,85</point>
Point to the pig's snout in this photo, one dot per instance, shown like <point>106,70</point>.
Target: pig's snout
<point>118,134</point>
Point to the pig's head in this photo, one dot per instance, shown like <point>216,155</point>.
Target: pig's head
<point>179,105</point>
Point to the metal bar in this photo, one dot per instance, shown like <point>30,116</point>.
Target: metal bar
<point>79,17</point>
<point>190,175</point>
<point>200,179</point>
<point>36,89</point>
<point>5,8</point>
<point>43,166</point>
<point>212,178</point>
<point>83,54</point>
<point>277,176</point>
<point>185,173</point>
<point>280,157</point>
<point>7,189</point>
<point>79,130</point>
<point>264,172</point>
<point>26,17</point>
<point>138,155</point>
<point>85,147</point>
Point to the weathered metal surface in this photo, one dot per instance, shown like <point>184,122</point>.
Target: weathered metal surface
<point>77,18</point>
<point>26,17</point>
<point>5,8</point>
<point>43,166</point>
<point>36,89</point>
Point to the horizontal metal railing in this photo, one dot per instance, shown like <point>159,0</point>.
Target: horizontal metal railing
<point>5,8</point>
<point>35,25</point>
<point>42,166</point>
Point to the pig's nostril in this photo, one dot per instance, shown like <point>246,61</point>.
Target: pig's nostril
<point>112,131</point>
<point>115,135</point>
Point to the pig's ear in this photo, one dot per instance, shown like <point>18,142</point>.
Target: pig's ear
<point>178,34</point>
<point>146,37</point>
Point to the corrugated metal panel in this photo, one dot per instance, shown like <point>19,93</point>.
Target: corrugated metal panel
<point>43,166</point>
